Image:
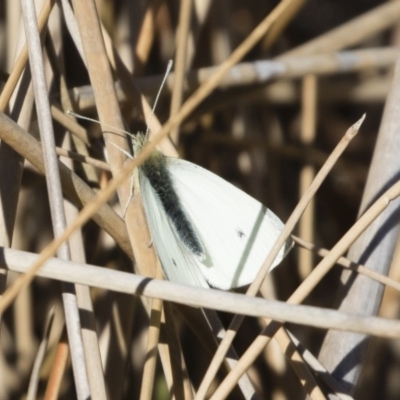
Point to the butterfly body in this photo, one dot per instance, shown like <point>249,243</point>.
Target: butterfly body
<point>155,170</point>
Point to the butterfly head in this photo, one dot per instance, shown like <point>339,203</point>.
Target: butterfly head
<point>138,142</point>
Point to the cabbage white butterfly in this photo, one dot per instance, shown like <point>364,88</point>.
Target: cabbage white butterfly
<point>206,232</point>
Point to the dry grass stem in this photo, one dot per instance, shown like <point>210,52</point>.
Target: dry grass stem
<point>351,33</point>
<point>180,61</point>
<point>305,288</point>
<point>345,262</point>
<point>58,370</point>
<point>260,95</point>
<point>224,301</point>
<point>34,380</point>
<point>255,286</point>
<point>149,367</point>
<point>307,174</point>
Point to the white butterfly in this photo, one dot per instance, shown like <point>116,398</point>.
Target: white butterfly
<point>206,231</point>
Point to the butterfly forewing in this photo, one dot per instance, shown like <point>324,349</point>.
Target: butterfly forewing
<point>237,230</point>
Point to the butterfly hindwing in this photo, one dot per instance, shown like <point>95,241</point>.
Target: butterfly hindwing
<point>177,261</point>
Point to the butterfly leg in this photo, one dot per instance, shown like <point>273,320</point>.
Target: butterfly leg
<point>130,196</point>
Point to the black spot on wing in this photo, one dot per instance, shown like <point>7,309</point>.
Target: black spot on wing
<point>240,233</point>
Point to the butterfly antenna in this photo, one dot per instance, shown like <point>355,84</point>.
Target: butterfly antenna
<point>98,122</point>
<point>167,71</point>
